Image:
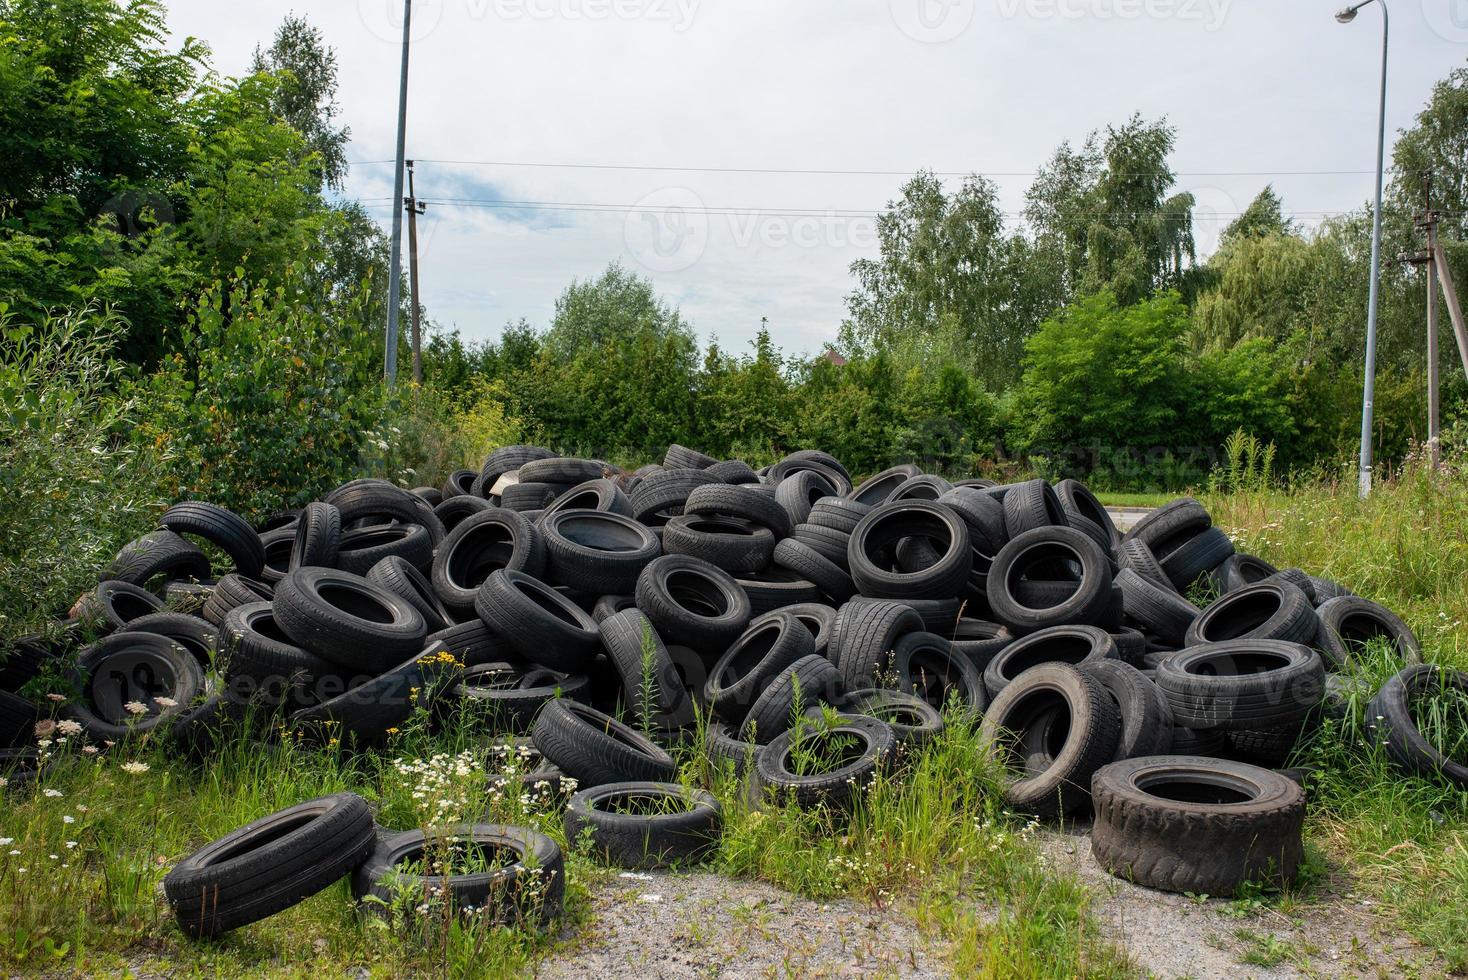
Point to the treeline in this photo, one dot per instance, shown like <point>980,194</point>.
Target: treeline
<point>193,222</point>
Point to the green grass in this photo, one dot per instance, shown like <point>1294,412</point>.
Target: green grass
<point>929,837</point>
<point>1402,840</point>
<point>1135,499</point>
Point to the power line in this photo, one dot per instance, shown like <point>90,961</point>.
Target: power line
<point>854,173</point>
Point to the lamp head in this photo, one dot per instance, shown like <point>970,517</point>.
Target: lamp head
<point>1347,15</point>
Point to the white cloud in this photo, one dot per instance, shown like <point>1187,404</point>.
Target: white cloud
<point>1253,86</point>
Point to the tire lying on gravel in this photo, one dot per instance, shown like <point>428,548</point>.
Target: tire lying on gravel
<point>596,749</point>
<point>541,624</point>
<point>1242,684</point>
<point>523,882</point>
<point>1044,547</point>
<point>231,533</point>
<point>645,825</point>
<point>1146,717</point>
<point>854,749</point>
<point>483,544</point>
<point>878,535</point>
<point>1053,728</point>
<point>1390,720</point>
<point>269,865</point>
<point>132,669</point>
<point>1073,645</point>
<point>928,667</point>
<point>596,551</point>
<point>765,650</point>
<point>1273,610</point>
<point>112,605</point>
<point>348,620</point>
<point>693,604</point>
<point>1194,825</point>
<point>1348,623</point>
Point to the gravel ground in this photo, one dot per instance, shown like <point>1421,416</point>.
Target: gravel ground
<point>702,925</point>
<point>1333,933</point>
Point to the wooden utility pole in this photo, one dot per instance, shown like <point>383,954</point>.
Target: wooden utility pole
<point>414,208</point>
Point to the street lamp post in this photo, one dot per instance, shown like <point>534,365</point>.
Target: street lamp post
<point>1369,391</point>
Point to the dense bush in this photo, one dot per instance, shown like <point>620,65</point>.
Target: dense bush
<point>73,492</point>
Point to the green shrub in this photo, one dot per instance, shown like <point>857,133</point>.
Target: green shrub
<point>270,401</point>
<point>73,493</point>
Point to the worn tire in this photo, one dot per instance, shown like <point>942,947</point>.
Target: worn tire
<point>541,624</point>
<point>1266,611</point>
<point>595,749</point>
<point>693,604</point>
<point>1349,622</point>
<point>495,540</point>
<point>269,865</point>
<point>645,840</point>
<point>1221,824</point>
<point>231,533</point>
<point>1051,765</point>
<point>348,620</point>
<point>1390,722</point>
<point>1242,684</point>
<point>1074,645</point>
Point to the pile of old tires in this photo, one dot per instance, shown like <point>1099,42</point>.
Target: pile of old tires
<point>607,619</point>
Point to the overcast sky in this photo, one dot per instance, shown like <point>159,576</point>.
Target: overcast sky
<point>1260,91</point>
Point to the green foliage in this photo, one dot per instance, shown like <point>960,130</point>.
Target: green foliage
<point>268,401</point>
<point>73,494</point>
<point>306,97</point>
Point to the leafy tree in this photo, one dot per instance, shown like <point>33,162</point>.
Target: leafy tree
<point>306,96</point>
<point>1105,211</point>
<point>1264,216</point>
<point>617,305</point>
<point>949,281</point>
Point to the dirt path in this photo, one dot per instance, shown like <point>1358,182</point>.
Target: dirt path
<point>702,925</point>
<point>1333,934</point>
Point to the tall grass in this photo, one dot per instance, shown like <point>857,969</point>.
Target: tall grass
<point>1402,839</point>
